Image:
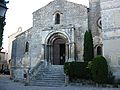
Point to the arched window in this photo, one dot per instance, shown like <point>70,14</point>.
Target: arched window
<point>99,50</point>
<point>27,47</point>
<point>57,18</point>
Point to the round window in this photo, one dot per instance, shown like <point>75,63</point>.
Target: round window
<point>99,23</point>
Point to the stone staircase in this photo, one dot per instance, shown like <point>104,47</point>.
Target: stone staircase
<point>52,77</point>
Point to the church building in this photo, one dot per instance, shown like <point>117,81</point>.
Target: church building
<point>57,36</point>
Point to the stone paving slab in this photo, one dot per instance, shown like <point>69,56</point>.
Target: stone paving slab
<point>7,84</point>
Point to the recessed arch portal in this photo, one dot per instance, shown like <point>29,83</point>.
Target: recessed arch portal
<point>54,35</point>
<point>56,48</point>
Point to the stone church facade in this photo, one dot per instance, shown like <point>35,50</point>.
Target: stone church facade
<point>57,36</point>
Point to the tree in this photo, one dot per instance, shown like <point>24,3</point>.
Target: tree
<point>2,24</point>
<point>88,47</point>
<point>3,10</point>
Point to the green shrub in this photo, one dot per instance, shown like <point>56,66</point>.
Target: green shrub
<point>88,47</point>
<point>77,70</point>
<point>66,68</point>
<point>99,69</point>
<point>110,78</point>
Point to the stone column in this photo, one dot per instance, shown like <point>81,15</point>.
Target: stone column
<point>71,52</point>
<point>71,45</point>
<point>49,53</point>
<point>27,82</point>
<point>46,54</point>
<point>67,52</point>
<point>44,51</point>
<point>66,80</point>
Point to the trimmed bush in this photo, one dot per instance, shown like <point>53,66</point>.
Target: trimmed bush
<point>66,68</point>
<point>77,70</point>
<point>99,70</point>
<point>111,78</point>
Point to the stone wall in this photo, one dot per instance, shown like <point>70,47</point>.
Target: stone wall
<point>73,24</point>
<point>71,15</point>
<point>111,33</point>
<point>18,53</point>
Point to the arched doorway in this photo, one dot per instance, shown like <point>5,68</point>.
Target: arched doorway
<point>56,49</point>
<point>59,51</point>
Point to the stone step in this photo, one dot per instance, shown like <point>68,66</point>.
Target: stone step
<point>61,73</point>
<point>49,81</point>
<point>54,76</point>
<point>54,80</point>
<point>48,84</point>
<point>43,82</point>
<point>47,78</point>
<point>50,78</point>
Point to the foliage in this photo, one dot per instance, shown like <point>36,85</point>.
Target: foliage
<point>99,69</point>
<point>110,78</point>
<point>2,24</point>
<point>67,68</point>
<point>88,47</point>
<point>77,70</point>
<point>0,58</point>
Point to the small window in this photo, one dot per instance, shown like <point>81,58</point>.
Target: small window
<point>99,50</point>
<point>27,47</point>
<point>57,18</point>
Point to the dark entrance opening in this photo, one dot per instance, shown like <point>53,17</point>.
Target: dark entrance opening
<point>62,54</point>
<point>99,50</point>
<point>59,52</point>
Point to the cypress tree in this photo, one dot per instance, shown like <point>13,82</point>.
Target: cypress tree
<point>2,24</point>
<point>88,47</point>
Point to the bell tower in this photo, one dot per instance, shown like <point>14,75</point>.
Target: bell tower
<point>95,25</point>
<point>94,17</point>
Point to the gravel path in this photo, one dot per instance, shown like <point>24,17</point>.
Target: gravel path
<point>7,84</point>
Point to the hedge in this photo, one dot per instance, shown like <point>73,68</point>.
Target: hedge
<point>77,70</point>
<point>99,69</point>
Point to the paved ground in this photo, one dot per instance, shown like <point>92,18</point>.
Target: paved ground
<point>6,84</point>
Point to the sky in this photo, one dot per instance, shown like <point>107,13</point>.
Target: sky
<point>19,14</point>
